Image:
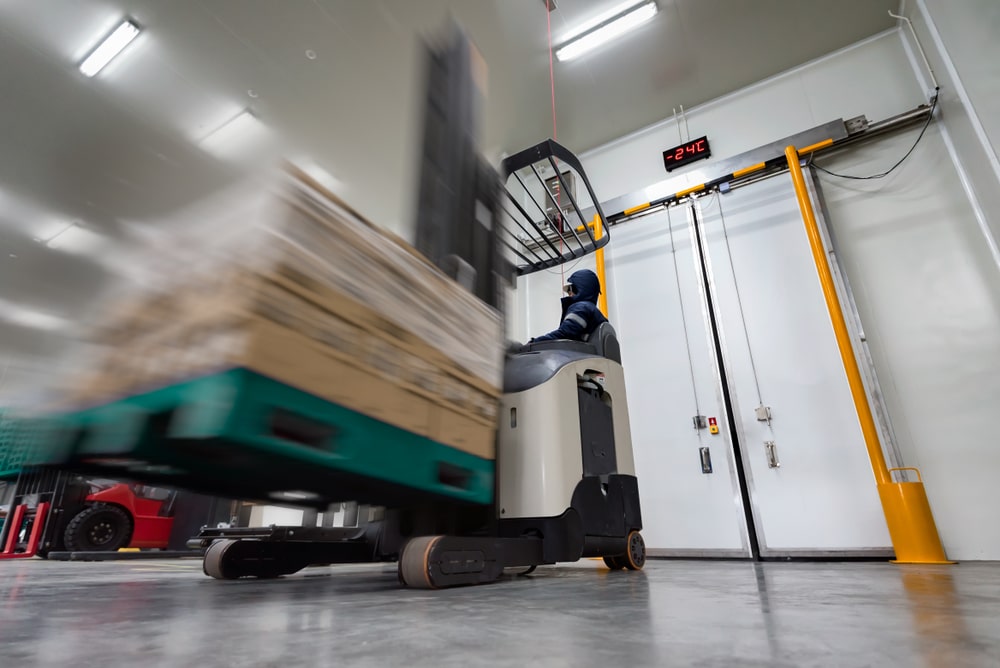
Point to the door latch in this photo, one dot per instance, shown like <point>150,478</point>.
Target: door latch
<point>772,455</point>
<point>764,414</point>
<point>700,422</point>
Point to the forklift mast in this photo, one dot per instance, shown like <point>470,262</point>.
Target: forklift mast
<point>481,227</point>
<point>458,189</point>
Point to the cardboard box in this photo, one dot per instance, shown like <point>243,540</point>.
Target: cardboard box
<point>314,296</point>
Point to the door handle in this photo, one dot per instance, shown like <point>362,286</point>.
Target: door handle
<point>772,455</point>
<point>706,460</point>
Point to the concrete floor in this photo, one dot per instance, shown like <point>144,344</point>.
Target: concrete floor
<point>166,613</point>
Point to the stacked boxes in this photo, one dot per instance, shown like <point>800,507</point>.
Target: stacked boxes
<point>302,289</point>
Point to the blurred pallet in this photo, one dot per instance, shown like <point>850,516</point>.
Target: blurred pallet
<point>11,447</point>
<point>242,434</point>
<point>18,438</point>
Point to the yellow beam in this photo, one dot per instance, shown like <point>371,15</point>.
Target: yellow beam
<point>602,300</point>
<point>598,228</point>
<point>689,191</point>
<point>748,170</point>
<point>907,512</point>
<point>636,209</point>
<point>815,147</point>
<point>868,427</point>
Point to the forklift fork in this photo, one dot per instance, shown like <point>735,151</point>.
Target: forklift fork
<point>14,548</point>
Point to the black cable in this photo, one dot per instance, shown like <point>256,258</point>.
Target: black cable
<point>930,117</point>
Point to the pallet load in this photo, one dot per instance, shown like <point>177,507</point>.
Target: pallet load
<point>301,331</point>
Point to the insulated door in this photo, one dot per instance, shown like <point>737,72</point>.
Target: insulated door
<point>691,504</point>
<point>809,481</point>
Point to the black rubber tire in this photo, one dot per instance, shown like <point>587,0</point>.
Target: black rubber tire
<point>635,557</point>
<point>414,564</point>
<point>215,563</point>
<point>99,528</point>
<point>614,563</point>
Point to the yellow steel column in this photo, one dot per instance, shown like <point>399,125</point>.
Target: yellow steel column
<point>907,511</point>
<point>602,301</point>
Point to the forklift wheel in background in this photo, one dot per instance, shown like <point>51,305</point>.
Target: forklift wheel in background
<point>635,557</point>
<point>98,528</point>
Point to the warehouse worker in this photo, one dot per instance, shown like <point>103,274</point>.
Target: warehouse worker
<point>580,315</point>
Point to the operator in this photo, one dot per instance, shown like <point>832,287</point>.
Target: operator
<point>580,315</point>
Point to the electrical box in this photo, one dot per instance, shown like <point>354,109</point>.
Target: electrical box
<point>564,199</point>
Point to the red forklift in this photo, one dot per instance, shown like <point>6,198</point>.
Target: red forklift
<point>60,515</point>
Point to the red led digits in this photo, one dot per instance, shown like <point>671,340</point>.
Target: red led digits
<point>688,152</point>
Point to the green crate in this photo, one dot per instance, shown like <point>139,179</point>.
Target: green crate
<point>249,435</point>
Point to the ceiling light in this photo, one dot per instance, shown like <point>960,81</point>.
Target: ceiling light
<point>294,495</point>
<point>605,28</point>
<point>74,239</point>
<point>26,317</point>
<point>112,45</point>
<point>234,134</point>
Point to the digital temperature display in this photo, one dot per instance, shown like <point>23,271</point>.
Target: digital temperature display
<point>684,154</point>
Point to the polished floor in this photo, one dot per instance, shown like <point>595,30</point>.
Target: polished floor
<point>675,613</point>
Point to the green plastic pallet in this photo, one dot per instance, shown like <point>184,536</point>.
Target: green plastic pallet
<point>16,443</point>
<point>245,433</point>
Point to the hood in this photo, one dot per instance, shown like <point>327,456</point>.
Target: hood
<point>586,285</point>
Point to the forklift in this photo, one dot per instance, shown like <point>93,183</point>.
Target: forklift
<point>565,486</point>
<point>62,515</point>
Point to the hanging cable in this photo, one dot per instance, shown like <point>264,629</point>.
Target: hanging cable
<point>684,327</point>
<point>555,137</point>
<point>930,116</point>
<point>552,78</point>
<point>739,300</point>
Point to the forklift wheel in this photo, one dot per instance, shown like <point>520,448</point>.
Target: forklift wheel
<point>614,563</point>
<point>635,558</point>
<point>98,528</point>
<point>215,564</point>
<point>414,564</point>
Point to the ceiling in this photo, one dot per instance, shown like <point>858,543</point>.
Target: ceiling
<point>335,83</point>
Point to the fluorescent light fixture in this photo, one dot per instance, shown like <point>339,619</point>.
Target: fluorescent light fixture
<point>603,29</point>
<point>233,135</point>
<point>112,45</point>
<point>294,495</point>
<point>74,239</point>
<point>27,317</point>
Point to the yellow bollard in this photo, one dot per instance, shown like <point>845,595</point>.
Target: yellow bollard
<point>911,523</point>
<point>907,512</point>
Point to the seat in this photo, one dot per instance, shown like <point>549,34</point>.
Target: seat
<point>604,340</point>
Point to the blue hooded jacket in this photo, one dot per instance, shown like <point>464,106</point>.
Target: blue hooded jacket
<point>580,315</point>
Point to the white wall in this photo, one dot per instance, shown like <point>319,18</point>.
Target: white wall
<point>916,246</point>
<point>928,293</point>
<point>968,30</point>
<point>962,47</point>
